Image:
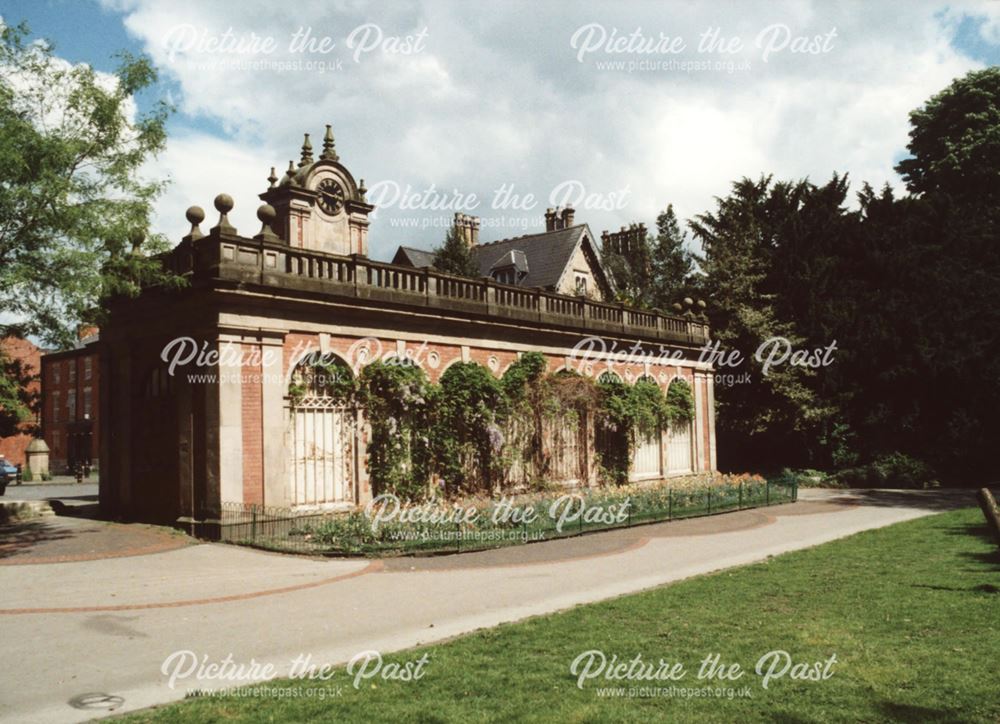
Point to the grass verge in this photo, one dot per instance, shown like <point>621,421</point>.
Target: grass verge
<point>910,611</point>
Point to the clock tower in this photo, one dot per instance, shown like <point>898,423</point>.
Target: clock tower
<point>318,205</point>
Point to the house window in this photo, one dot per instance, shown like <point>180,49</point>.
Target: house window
<point>581,284</point>
<point>87,401</point>
<point>55,407</point>
<point>71,405</point>
<point>88,367</point>
<point>57,373</point>
<point>72,370</point>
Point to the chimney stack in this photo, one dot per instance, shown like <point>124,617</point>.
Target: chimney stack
<point>467,228</point>
<point>626,241</point>
<point>550,219</point>
<point>567,217</point>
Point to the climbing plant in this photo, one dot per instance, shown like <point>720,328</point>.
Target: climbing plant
<point>679,402</point>
<point>398,398</point>
<point>613,442</point>
<point>466,436</point>
<point>475,433</point>
<point>323,378</point>
<point>536,400</point>
<point>628,412</point>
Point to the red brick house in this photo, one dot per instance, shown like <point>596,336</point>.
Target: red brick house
<point>70,404</point>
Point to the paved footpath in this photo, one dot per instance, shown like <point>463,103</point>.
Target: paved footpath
<point>82,636</point>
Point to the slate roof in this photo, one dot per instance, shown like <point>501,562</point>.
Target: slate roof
<point>417,258</point>
<point>516,259</point>
<point>547,254</point>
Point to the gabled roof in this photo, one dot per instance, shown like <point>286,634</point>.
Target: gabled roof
<point>547,255</point>
<point>514,259</point>
<point>417,258</point>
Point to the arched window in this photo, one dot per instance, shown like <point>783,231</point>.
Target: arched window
<point>679,441</point>
<point>323,433</point>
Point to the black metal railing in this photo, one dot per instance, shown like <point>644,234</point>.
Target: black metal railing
<point>351,533</point>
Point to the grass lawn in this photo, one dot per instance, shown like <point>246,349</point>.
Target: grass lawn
<point>911,612</point>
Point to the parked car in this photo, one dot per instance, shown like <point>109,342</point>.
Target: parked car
<point>8,474</point>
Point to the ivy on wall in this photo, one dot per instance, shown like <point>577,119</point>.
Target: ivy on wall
<point>680,402</point>
<point>535,401</point>
<point>466,435</point>
<point>397,399</point>
<point>471,429</point>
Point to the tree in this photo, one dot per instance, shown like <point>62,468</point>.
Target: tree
<point>656,273</point>
<point>759,418</point>
<point>455,257</point>
<point>17,403</point>
<point>74,210</point>
<point>631,274</point>
<point>955,139</point>
<point>672,266</point>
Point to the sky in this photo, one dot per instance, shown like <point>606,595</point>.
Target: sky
<point>502,109</point>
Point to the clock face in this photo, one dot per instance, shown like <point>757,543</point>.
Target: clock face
<point>331,196</point>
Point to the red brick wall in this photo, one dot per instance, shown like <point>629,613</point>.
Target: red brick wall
<point>62,373</point>
<point>448,354</point>
<point>253,426</point>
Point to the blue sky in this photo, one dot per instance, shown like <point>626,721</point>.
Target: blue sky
<point>498,97</point>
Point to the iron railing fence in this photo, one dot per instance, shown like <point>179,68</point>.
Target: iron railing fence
<point>351,533</point>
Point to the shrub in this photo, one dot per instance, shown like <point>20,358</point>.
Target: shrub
<point>806,478</point>
<point>893,470</point>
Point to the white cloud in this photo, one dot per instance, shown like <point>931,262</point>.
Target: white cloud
<point>498,97</point>
<point>199,167</point>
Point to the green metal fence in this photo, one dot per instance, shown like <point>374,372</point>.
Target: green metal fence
<point>352,534</point>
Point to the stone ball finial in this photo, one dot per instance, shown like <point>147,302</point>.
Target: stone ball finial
<point>688,302</point>
<point>266,214</point>
<point>701,304</point>
<point>137,237</point>
<point>223,203</point>
<point>677,307</point>
<point>195,215</point>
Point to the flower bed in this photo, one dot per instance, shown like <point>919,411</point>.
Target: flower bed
<point>389,526</point>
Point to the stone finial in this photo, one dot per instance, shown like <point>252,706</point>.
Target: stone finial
<point>290,173</point>
<point>195,215</point>
<point>266,214</point>
<point>329,151</point>
<point>362,190</point>
<point>307,152</point>
<point>272,180</point>
<point>224,204</point>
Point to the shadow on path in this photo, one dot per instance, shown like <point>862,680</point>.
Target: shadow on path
<point>939,499</point>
